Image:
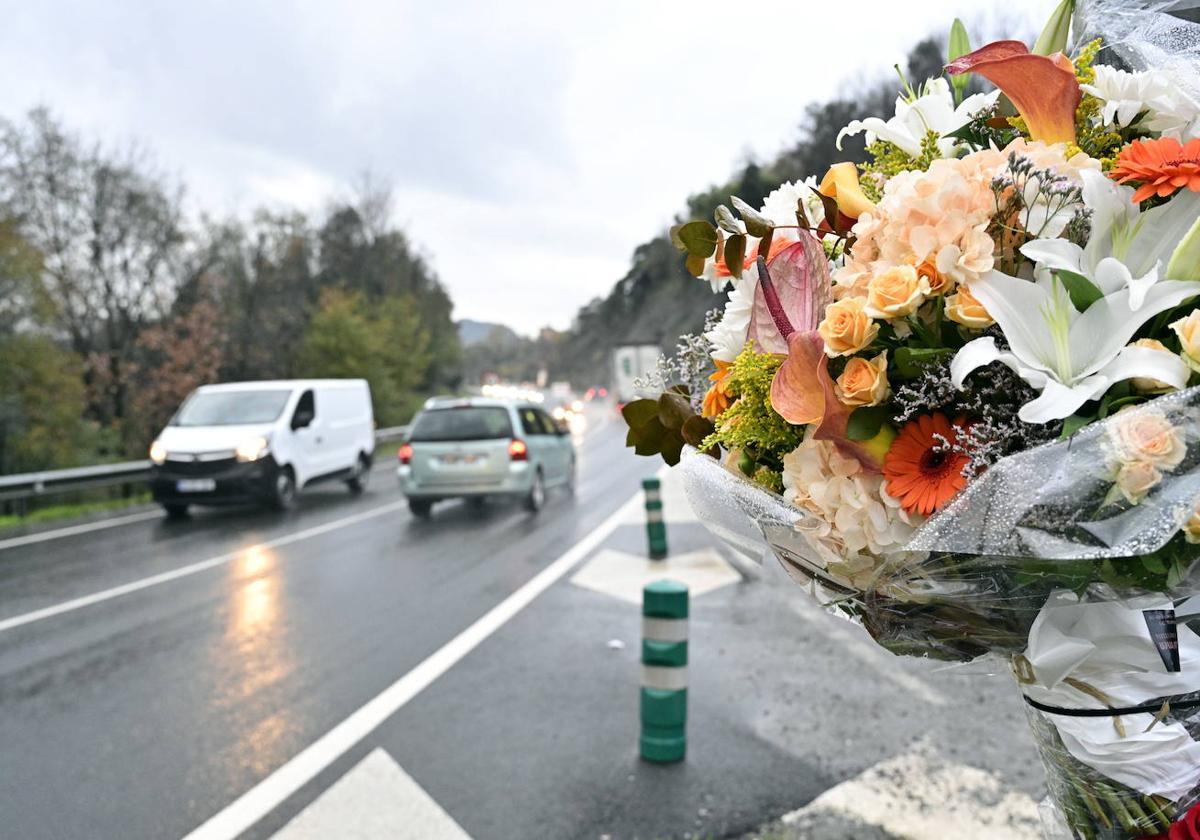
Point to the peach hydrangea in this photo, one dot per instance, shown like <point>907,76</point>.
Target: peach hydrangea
<point>941,216</point>
<point>853,518</point>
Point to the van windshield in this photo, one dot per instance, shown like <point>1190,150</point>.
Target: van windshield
<point>462,423</point>
<point>231,408</point>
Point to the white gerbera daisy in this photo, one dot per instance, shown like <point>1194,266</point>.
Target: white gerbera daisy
<point>1168,110</point>
<point>729,336</point>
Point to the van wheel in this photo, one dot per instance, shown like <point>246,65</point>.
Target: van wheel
<point>283,495</point>
<point>537,493</point>
<point>176,511</point>
<point>362,474</point>
<point>421,508</point>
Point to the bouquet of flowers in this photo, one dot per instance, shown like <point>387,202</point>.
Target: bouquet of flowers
<point>953,390</point>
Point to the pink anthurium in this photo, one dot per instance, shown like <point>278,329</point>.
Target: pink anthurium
<point>1043,88</point>
<point>802,390</point>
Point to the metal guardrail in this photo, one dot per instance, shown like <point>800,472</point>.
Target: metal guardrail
<point>25,486</point>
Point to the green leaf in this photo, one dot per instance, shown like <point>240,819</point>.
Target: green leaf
<point>1083,291</point>
<point>639,412</point>
<point>735,254</point>
<point>1073,424</point>
<point>910,360</point>
<point>673,410</point>
<point>673,233</point>
<point>865,423</point>
<point>696,428</point>
<point>671,447</point>
<point>756,223</point>
<point>802,215</point>
<point>832,216</point>
<point>1185,261</point>
<point>726,221</point>
<point>649,438</point>
<point>764,244</point>
<point>699,238</point>
<point>1154,563</point>
<point>694,265</point>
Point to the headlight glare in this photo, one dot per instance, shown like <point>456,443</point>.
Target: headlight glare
<point>158,452</point>
<point>252,449</point>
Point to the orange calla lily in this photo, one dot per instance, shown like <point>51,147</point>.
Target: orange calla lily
<point>841,184</point>
<point>1043,88</point>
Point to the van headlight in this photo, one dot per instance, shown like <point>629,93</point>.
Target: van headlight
<point>252,449</point>
<point>158,453</point>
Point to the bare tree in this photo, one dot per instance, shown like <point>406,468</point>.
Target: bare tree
<point>109,233</point>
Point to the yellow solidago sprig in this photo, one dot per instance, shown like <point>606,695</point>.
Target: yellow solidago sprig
<point>750,424</point>
<point>888,159</point>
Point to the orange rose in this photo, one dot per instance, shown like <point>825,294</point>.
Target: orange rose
<point>847,328</point>
<point>963,308</point>
<point>938,283</point>
<point>896,292</point>
<point>863,382</point>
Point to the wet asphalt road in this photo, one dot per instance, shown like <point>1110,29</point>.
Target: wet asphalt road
<point>142,715</point>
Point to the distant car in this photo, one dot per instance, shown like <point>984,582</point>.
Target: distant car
<point>478,447</point>
<point>261,441</point>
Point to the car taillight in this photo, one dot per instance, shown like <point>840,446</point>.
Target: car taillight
<point>405,453</point>
<point>517,450</point>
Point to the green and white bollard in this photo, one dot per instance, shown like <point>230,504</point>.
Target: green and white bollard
<point>664,671</point>
<point>656,528</point>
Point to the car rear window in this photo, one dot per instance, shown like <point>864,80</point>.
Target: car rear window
<point>463,423</point>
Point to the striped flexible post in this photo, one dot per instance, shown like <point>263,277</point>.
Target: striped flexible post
<point>664,671</point>
<point>656,528</point>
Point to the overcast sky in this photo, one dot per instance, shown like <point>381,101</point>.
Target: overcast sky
<point>531,146</point>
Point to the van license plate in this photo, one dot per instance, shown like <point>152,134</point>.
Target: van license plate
<point>196,485</point>
<point>470,458</point>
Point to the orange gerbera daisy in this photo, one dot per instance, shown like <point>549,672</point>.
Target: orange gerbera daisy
<point>922,474</point>
<point>1160,166</point>
<point>717,398</point>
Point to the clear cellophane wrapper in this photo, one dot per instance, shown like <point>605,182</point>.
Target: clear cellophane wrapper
<point>1086,597</point>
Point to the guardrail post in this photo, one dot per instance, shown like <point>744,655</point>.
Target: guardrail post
<point>656,527</point>
<point>664,671</point>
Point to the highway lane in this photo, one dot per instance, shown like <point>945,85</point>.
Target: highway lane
<point>144,714</point>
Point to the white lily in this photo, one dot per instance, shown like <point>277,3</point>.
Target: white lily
<point>1126,245</point>
<point>933,110</point>
<point>1068,355</point>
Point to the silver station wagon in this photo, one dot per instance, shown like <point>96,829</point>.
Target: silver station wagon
<point>478,447</point>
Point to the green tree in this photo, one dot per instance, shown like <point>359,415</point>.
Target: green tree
<point>383,343</point>
<point>42,402</point>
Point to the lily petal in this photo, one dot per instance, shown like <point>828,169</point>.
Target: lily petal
<point>1058,401</point>
<point>1112,275</point>
<point>1043,88</point>
<point>1054,254</point>
<point>1099,334</point>
<point>1147,362</point>
<point>1016,305</point>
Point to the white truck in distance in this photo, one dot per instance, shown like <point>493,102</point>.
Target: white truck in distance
<point>632,362</point>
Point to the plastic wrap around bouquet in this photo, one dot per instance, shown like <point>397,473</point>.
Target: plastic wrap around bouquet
<point>955,391</point>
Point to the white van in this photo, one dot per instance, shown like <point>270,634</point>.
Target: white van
<point>261,441</point>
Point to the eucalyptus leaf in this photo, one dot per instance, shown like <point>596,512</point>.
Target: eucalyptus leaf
<point>735,254</point>
<point>756,223</point>
<point>699,238</point>
<point>694,265</point>
<point>696,429</point>
<point>639,412</point>
<point>673,232</point>
<point>671,447</point>
<point>649,438</point>
<point>726,221</point>
<point>673,410</point>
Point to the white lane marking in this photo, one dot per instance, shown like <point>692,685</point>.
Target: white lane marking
<point>268,794</point>
<point>375,799</point>
<point>192,569</point>
<point>922,796</point>
<point>71,531</point>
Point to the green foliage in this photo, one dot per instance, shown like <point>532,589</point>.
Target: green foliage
<point>958,45</point>
<point>888,159</point>
<point>384,344</point>
<point>662,426</point>
<point>750,424</point>
<point>42,402</point>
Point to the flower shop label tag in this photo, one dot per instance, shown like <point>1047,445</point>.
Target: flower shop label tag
<point>1165,635</point>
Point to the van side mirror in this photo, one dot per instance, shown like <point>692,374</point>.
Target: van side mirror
<point>301,419</point>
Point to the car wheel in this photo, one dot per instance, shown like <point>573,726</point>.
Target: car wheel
<point>420,508</point>
<point>362,474</point>
<point>537,493</point>
<point>283,495</point>
<point>176,511</point>
<point>476,502</point>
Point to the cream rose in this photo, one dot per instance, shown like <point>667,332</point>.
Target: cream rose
<point>847,328</point>
<point>1146,436</point>
<point>1136,479</point>
<point>1145,384</point>
<point>1188,330</point>
<point>896,292</point>
<point>863,382</point>
<point>1191,528</point>
<point>963,308</point>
